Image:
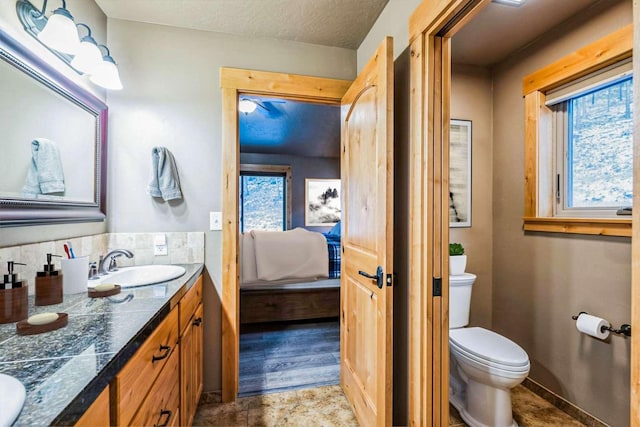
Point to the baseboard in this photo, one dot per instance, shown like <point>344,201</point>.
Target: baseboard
<point>563,404</point>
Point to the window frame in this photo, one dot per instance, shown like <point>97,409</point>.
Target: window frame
<point>562,165</point>
<point>539,147</point>
<point>248,168</point>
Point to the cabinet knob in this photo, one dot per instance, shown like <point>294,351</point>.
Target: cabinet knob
<point>197,321</point>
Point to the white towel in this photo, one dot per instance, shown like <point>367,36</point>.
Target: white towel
<point>165,182</point>
<point>45,175</point>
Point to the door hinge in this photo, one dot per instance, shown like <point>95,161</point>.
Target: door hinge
<point>390,279</point>
<point>437,286</point>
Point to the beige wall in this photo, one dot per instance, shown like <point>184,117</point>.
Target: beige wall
<point>85,11</point>
<point>540,280</point>
<point>471,99</point>
<point>172,98</point>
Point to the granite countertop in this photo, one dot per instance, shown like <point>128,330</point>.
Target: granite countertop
<point>66,369</point>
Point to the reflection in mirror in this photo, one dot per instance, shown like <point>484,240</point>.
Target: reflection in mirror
<point>47,141</point>
<point>53,142</point>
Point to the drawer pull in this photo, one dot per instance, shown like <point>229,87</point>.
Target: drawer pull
<point>163,413</point>
<point>166,350</point>
<point>197,321</point>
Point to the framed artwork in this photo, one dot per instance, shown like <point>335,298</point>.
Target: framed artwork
<point>460,173</point>
<point>322,202</point>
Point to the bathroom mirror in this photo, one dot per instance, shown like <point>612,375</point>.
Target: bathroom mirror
<point>53,145</point>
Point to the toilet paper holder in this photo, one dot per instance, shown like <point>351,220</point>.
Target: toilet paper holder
<point>625,329</point>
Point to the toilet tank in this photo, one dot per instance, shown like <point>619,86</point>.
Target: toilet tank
<point>460,299</point>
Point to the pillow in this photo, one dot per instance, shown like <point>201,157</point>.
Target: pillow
<point>335,231</point>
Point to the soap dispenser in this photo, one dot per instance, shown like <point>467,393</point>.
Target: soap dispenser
<point>14,296</point>
<point>49,284</point>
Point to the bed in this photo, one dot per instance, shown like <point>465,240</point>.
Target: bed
<point>289,275</point>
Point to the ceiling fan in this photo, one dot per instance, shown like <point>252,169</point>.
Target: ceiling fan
<point>249,105</point>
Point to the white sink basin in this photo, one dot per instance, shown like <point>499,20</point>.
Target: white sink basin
<point>12,395</point>
<point>141,275</point>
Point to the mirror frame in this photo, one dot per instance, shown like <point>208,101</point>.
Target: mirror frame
<point>22,212</point>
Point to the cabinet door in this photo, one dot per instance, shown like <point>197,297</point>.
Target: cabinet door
<point>198,355</point>
<point>186,381</point>
<point>191,380</point>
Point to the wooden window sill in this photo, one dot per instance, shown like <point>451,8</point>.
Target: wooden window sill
<point>597,226</point>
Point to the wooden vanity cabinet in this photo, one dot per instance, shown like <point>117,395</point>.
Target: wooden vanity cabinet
<point>161,384</point>
<point>98,413</point>
<point>133,382</point>
<point>161,406</point>
<point>191,354</point>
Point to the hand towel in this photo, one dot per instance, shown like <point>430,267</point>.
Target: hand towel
<point>165,182</point>
<point>45,175</point>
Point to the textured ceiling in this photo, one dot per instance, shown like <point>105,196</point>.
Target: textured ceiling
<point>499,30</point>
<point>290,127</point>
<point>340,23</point>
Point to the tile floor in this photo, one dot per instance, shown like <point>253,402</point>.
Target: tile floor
<point>321,406</point>
<point>326,406</point>
<point>529,410</point>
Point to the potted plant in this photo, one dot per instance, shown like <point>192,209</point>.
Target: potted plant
<point>457,259</point>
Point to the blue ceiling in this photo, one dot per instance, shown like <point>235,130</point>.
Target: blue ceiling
<point>283,126</point>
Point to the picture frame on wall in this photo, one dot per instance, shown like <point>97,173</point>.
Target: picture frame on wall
<point>460,137</point>
<point>322,202</point>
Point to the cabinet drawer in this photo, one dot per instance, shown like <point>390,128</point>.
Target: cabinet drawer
<point>189,302</point>
<point>134,380</point>
<point>160,408</point>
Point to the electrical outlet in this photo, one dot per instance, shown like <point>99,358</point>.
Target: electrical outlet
<point>160,245</point>
<point>215,220</point>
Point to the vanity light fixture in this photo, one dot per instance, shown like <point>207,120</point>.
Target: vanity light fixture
<point>88,57</point>
<point>59,34</point>
<point>106,75</point>
<point>247,106</point>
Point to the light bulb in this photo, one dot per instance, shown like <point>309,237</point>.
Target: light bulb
<point>107,75</point>
<point>247,106</point>
<point>60,32</point>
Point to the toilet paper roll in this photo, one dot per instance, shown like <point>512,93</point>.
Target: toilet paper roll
<point>592,325</point>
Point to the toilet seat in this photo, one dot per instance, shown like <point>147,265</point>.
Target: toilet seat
<point>489,349</point>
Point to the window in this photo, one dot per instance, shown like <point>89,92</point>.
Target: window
<point>264,197</point>
<point>576,153</point>
<point>593,137</point>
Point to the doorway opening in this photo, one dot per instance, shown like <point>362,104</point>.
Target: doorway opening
<point>289,327</point>
<point>235,84</point>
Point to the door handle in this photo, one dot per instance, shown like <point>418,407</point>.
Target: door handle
<point>379,276</point>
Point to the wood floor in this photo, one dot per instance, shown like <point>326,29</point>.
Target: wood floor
<point>287,356</point>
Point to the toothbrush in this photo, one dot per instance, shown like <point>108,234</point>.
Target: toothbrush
<point>66,250</point>
<point>71,249</point>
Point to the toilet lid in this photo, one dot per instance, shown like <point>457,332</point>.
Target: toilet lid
<point>486,345</point>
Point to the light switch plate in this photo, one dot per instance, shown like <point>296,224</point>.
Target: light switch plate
<point>215,220</point>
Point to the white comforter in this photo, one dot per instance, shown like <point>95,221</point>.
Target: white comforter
<point>293,254</point>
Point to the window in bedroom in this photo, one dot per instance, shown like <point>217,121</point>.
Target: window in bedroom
<point>264,197</point>
<point>593,138</point>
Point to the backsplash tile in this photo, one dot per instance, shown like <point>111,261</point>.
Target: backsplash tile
<point>184,248</point>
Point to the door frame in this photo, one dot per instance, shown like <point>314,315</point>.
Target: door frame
<point>431,27</point>
<point>235,82</point>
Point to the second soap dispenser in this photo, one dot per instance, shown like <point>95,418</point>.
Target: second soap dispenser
<point>49,284</point>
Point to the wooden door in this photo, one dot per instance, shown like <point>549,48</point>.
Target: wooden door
<point>367,239</point>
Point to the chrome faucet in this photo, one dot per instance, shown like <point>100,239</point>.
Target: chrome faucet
<point>110,258</point>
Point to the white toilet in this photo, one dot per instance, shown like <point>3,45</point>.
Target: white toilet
<point>485,366</point>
